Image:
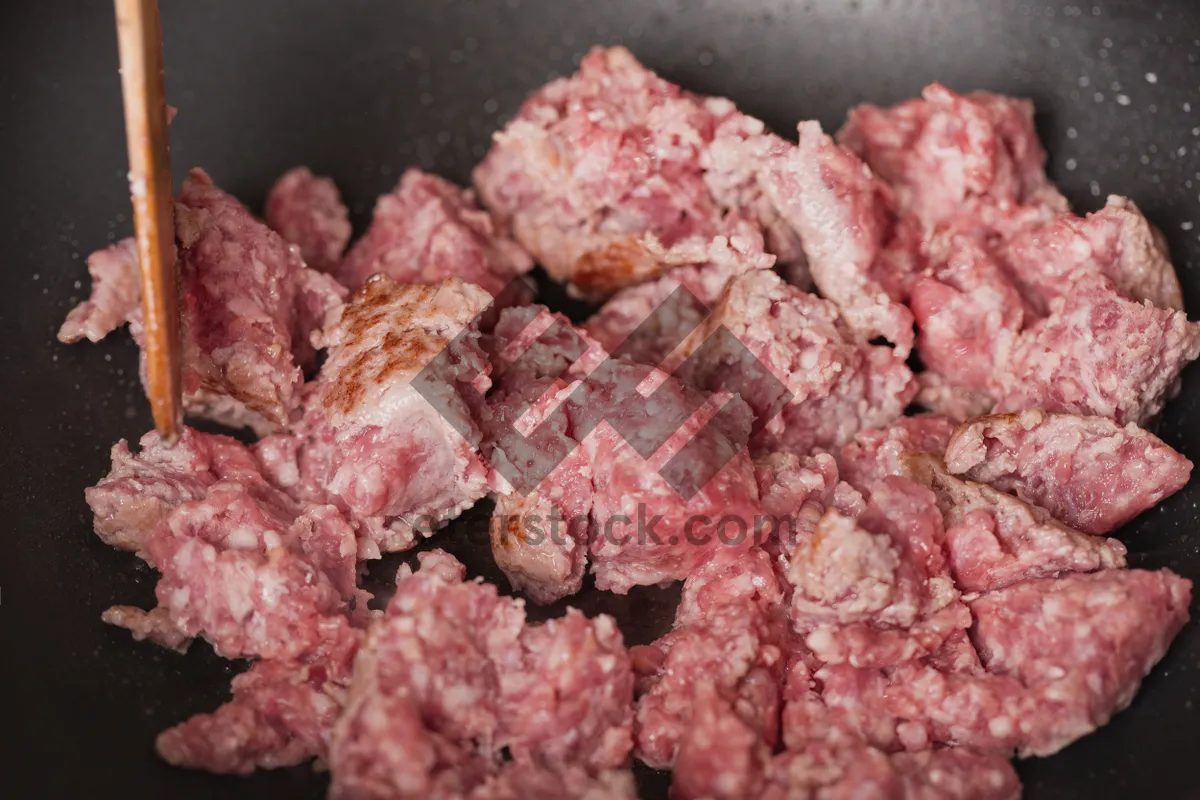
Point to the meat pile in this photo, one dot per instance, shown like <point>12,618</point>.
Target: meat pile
<point>876,601</point>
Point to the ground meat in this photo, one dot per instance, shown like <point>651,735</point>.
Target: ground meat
<point>571,700</point>
<point>597,165</point>
<point>1098,353</point>
<point>968,313</point>
<point>667,494</point>
<point>727,639</point>
<point>994,539</point>
<point>452,674</point>
<point>1115,241</point>
<point>639,323</point>
<point>116,295</point>
<point>787,481</point>
<point>531,782</point>
<point>282,712</point>
<point>837,384</point>
<point>720,755</point>
<point>875,453</point>
<point>154,625</point>
<point>876,590</point>
<point>247,307</point>
<point>949,155</point>
<point>1089,472</point>
<point>939,395</point>
<point>308,212</point>
<point>923,702</point>
<point>391,434</point>
<point>142,488</point>
<point>1081,643</point>
<point>246,311</point>
<point>428,230</point>
<point>842,213</point>
<point>540,533</point>
<point>234,570</point>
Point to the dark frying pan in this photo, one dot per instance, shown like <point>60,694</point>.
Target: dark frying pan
<point>359,90</point>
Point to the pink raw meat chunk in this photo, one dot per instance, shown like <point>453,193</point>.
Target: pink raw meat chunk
<point>154,625</point>
<point>531,782</point>
<point>765,335</point>
<point>875,453</point>
<point>842,214</point>
<point>142,488</point>
<point>428,230</point>
<point>541,526</point>
<point>116,295</point>
<point>949,155</point>
<point>727,638</point>
<point>282,712</point>
<point>597,166</point>
<point>389,434</point>
<point>939,395</point>
<point>219,554</point>
<point>247,307</point>
<point>876,590</point>
<point>678,489</point>
<point>1099,354</point>
<point>308,211</point>
<point>1089,472</point>
<point>1115,241</point>
<point>570,702</point>
<point>994,539</point>
<point>969,314</point>
<point>1081,643</point>
<point>451,674</point>
<point>657,326</point>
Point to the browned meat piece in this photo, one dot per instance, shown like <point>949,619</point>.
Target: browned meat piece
<point>428,230</point>
<point>601,171</point>
<point>1115,241</point>
<point>727,639</point>
<point>657,325</point>
<point>389,433</point>
<point>876,590</point>
<point>838,385</point>
<point>282,712</point>
<point>141,489</point>
<point>842,214</point>
<point>875,453</point>
<point>451,674</point>
<point>308,212</point>
<point>949,155</point>
<point>116,295</point>
<point>1089,472</point>
<point>1080,644</point>
<point>1100,354</point>
<point>994,539</point>
<point>247,307</point>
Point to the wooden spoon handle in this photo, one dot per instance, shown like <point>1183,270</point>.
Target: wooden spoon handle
<point>139,36</point>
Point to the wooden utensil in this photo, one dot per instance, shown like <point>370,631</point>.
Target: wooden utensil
<point>139,36</point>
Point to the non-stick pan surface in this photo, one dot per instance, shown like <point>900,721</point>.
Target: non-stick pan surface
<point>360,90</point>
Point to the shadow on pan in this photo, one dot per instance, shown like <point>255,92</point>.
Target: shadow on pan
<point>359,90</point>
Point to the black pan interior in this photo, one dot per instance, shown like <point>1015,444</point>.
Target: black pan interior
<point>359,90</point>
